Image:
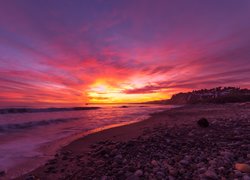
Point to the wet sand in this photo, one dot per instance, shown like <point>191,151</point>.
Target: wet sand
<point>168,145</point>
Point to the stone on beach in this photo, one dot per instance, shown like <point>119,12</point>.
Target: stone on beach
<point>237,173</point>
<point>138,173</point>
<point>242,167</point>
<point>203,122</point>
<point>104,178</point>
<point>246,177</point>
<point>2,173</point>
<point>118,158</point>
<point>211,174</point>
<point>154,162</point>
<point>184,162</point>
<point>31,177</point>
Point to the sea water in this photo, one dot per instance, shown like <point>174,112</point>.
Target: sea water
<point>27,140</point>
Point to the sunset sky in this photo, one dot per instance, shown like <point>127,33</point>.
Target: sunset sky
<point>114,51</point>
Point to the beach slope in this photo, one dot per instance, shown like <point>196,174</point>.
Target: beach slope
<point>168,145</point>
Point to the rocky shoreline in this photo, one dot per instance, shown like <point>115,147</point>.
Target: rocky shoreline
<point>167,150</point>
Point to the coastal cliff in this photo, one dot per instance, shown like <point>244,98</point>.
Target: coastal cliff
<point>215,95</point>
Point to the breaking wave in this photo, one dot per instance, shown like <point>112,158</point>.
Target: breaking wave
<point>26,125</point>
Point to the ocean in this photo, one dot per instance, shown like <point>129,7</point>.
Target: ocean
<point>27,140</point>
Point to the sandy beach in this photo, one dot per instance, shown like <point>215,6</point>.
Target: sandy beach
<point>168,145</point>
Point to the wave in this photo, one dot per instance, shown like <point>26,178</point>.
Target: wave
<point>32,124</point>
<point>32,110</point>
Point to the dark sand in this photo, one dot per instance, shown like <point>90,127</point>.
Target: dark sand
<point>169,145</point>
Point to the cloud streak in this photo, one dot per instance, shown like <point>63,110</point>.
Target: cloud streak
<point>120,51</point>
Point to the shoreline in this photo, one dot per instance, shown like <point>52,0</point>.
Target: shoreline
<point>92,136</point>
<point>50,149</point>
<point>38,155</point>
<point>72,161</point>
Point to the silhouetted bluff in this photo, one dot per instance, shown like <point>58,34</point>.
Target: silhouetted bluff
<point>216,95</point>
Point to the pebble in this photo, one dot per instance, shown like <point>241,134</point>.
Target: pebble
<point>139,173</point>
<point>118,158</point>
<point>237,173</point>
<point>202,170</point>
<point>184,162</point>
<point>154,163</point>
<point>221,169</point>
<point>104,178</point>
<point>190,134</point>
<point>160,174</point>
<point>203,122</point>
<point>242,167</point>
<point>31,177</point>
<point>168,140</point>
<point>200,165</point>
<point>2,173</point>
<point>172,171</point>
<point>227,155</point>
<point>113,152</point>
<point>133,177</point>
<point>124,161</point>
<point>246,177</point>
<point>171,178</point>
<point>212,163</point>
<point>211,174</point>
